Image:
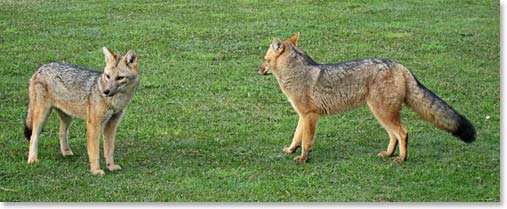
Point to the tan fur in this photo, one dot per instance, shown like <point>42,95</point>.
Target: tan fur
<point>74,91</point>
<point>320,89</point>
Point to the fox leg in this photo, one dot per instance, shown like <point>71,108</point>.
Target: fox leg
<point>296,140</point>
<point>308,133</point>
<point>39,109</point>
<point>93,126</point>
<point>109,135</point>
<point>65,121</point>
<point>390,120</point>
<point>393,142</point>
<point>39,116</point>
<point>403,139</point>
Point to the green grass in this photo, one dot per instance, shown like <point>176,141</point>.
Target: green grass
<point>204,126</point>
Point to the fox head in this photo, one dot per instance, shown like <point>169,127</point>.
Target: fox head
<point>120,73</point>
<point>276,50</point>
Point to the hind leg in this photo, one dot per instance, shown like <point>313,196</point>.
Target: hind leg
<point>403,139</point>
<point>39,116</point>
<point>65,121</point>
<point>393,142</point>
<point>39,108</point>
<point>389,118</point>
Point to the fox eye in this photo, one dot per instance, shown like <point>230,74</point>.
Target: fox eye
<point>120,77</point>
<point>107,76</point>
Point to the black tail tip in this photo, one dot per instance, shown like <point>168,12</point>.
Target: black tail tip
<point>28,132</point>
<point>465,130</point>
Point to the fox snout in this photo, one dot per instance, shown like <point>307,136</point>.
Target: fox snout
<point>260,70</point>
<point>107,92</point>
<point>263,70</point>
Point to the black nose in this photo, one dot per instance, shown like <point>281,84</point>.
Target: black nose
<point>106,92</point>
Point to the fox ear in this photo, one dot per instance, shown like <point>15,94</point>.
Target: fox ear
<point>130,58</point>
<point>276,45</point>
<point>294,39</point>
<point>109,55</point>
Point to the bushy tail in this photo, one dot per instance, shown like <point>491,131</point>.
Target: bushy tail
<point>433,109</point>
<point>28,123</point>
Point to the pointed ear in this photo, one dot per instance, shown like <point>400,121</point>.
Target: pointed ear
<point>294,39</point>
<point>277,45</point>
<point>130,58</point>
<point>108,54</point>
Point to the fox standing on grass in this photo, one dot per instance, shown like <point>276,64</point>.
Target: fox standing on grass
<point>74,91</point>
<point>320,89</point>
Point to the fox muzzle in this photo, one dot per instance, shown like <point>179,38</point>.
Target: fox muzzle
<point>107,93</point>
<point>263,70</point>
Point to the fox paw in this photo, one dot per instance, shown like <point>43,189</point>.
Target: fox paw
<point>113,167</point>
<point>300,159</point>
<point>67,153</point>
<point>399,159</point>
<point>32,160</point>
<point>98,172</point>
<point>383,154</point>
<point>288,150</point>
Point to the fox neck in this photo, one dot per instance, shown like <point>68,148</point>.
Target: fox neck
<point>121,99</point>
<point>291,78</point>
<point>297,73</point>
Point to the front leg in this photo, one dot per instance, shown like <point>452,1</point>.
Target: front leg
<point>296,140</point>
<point>109,134</point>
<point>309,126</point>
<point>93,125</point>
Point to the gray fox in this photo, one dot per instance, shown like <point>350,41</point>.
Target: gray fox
<point>75,91</point>
<point>316,89</point>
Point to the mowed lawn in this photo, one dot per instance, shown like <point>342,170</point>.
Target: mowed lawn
<point>205,126</point>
